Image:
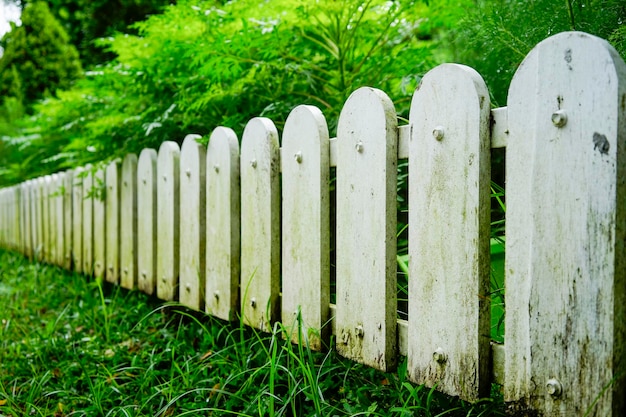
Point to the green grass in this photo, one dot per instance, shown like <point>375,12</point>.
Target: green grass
<point>72,347</point>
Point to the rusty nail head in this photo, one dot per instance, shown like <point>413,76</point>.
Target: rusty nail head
<point>216,167</point>
<point>163,279</point>
<point>125,270</point>
<point>554,388</point>
<point>346,336</point>
<point>216,294</point>
<point>188,287</point>
<point>253,303</point>
<point>559,118</point>
<point>440,356</point>
<point>253,163</point>
<point>188,172</point>
<point>298,157</point>
<point>144,274</point>
<point>438,132</point>
<point>358,330</point>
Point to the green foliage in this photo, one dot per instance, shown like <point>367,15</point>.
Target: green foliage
<point>69,346</point>
<point>198,66</point>
<point>85,21</point>
<point>496,35</point>
<point>38,58</point>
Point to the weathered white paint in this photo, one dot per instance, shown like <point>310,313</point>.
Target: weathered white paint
<point>192,223</point>
<point>306,227</point>
<point>68,210</point>
<point>44,187</point>
<point>367,136</point>
<point>260,224</point>
<point>52,218</point>
<point>77,220</point>
<point>88,191</point>
<point>128,222</point>
<point>59,218</point>
<point>449,218</point>
<point>27,220</point>
<point>99,223</point>
<point>36,220</point>
<point>146,220</point>
<point>168,178</point>
<point>223,216</point>
<point>113,202</point>
<point>565,252</point>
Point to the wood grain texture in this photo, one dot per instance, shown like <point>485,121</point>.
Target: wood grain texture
<point>146,220</point>
<point>306,227</point>
<point>367,137</point>
<point>113,178</point>
<point>128,222</point>
<point>449,218</point>
<point>223,221</point>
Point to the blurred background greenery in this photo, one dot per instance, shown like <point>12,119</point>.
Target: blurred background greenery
<point>89,80</point>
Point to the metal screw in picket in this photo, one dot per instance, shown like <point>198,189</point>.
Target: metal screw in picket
<point>188,172</point>
<point>298,157</point>
<point>559,118</point>
<point>554,388</point>
<point>358,330</point>
<point>440,356</point>
<point>216,294</point>
<point>188,287</point>
<point>216,167</point>
<point>253,303</point>
<point>438,132</point>
<point>253,163</point>
<point>359,147</point>
<point>144,274</point>
<point>163,280</point>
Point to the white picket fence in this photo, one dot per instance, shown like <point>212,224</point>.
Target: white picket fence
<point>219,229</point>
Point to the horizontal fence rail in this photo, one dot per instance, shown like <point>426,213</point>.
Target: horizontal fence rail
<point>243,227</point>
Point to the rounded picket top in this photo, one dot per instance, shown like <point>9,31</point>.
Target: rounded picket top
<point>306,244</point>
<point>449,155</point>
<point>260,224</point>
<point>192,222</point>
<point>146,221</point>
<point>367,159</point>
<point>223,218</point>
<point>168,178</point>
<point>128,222</point>
<point>566,110</point>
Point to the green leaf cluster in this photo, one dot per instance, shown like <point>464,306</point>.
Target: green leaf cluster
<point>200,65</point>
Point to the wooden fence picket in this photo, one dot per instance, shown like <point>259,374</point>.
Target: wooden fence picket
<point>306,244</point>
<point>260,224</point>
<point>68,209</point>
<point>88,220</point>
<point>128,222</point>
<point>192,223</point>
<point>168,202</point>
<point>99,223</point>
<point>565,253</point>
<point>366,229</point>
<point>77,220</point>
<point>26,220</point>
<point>59,214</point>
<point>44,204</point>
<point>449,218</point>
<point>52,210</point>
<point>223,216</point>
<point>113,198</point>
<point>36,224</point>
<point>146,220</point>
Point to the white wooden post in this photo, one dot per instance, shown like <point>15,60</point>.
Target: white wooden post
<point>128,222</point>
<point>99,223</point>
<point>223,216</point>
<point>113,203</point>
<point>449,216</point>
<point>27,219</point>
<point>53,191</point>
<point>68,181</point>
<point>168,178</point>
<point>44,186</point>
<point>565,253</point>
<point>36,220</point>
<point>366,229</point>
<point>88,221</point>
<point>192,222</point>
<point>260,224</point>
<point>77,220</point>
<point>59,219</point>
<point>306,227</point>
<point>146,220</point>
